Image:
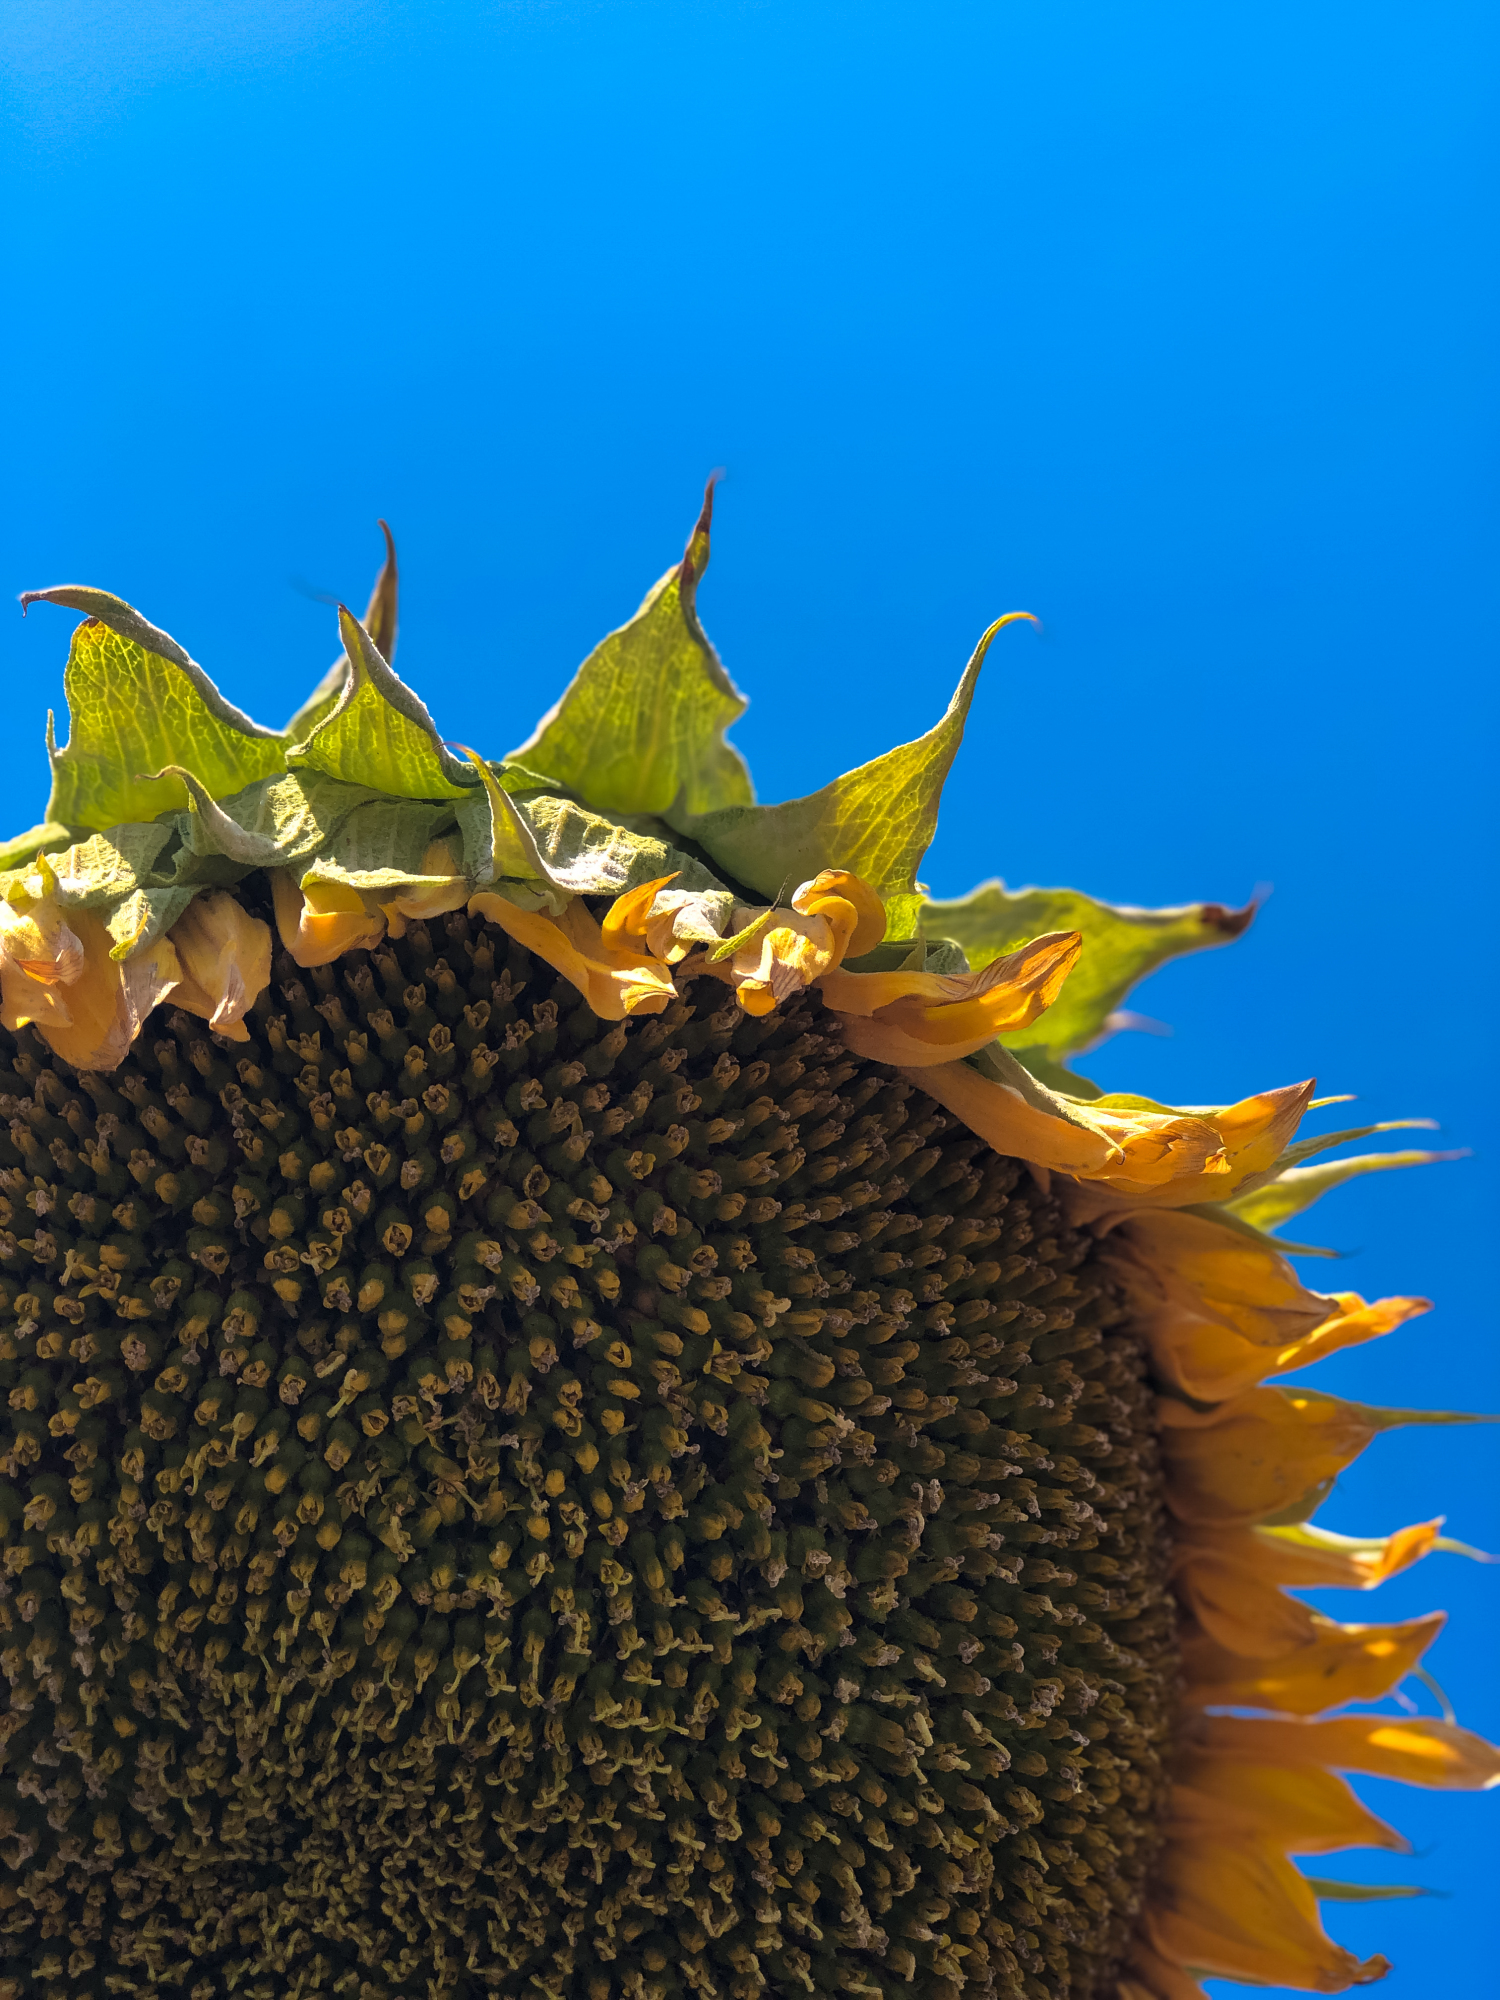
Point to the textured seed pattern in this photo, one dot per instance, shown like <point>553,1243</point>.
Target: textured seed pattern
<point>497,1504</point>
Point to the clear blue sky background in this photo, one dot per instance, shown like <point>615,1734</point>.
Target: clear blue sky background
<point>1173,324</point>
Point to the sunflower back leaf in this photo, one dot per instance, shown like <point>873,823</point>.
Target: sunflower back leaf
<point>641,726</point>
<point>137,702</point>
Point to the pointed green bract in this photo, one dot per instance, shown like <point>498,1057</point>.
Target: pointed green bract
<point>1120,946</point>
<point>137,702</point>
<point>1299,1187</point>
<point>380,622</point>
<point>1329,1891</point>
<point>877,821</point>
<point>641,727</point>
<point>380,733</point>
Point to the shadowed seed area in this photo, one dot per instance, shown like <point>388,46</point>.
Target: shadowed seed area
<point>503,1505</point>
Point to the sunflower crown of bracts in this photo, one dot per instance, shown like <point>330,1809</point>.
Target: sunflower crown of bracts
<point>622,845</point>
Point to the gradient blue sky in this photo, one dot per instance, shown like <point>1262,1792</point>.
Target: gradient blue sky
<point>1173,324</point>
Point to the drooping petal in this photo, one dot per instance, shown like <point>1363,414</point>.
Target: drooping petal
<point>36,936</point>
<point>1233,1580</point>
<point>624,924</point>
<point>850,905</point>
<point>106,1002</point>
<point>614,983</point>
<point>1298,1808</point>
<point>930,1018</point>
<point>225,955</point>
<point>319,921</point>
<point>1266,1451</point>
<point>1341,1663</point>
<point>1415,1749</point>
<point>681,919</point>
<point>1237,1909</point>
<point>1304,1557</point>
<point>782,957</point>
<point>1152,1977</point>
<point>1221,1311</point>
<point>442,887</point>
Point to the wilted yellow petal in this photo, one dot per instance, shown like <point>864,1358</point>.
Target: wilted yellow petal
<point>781,959</point>
<point>852,908</point>
<point>443,887</point>
<point>1221,1312</point>
<point>225,955</point>
<point>624,925</point>
<point>36,937</point>
<point>927,1018</point>
<point>1156,1158</point>
<point>1341,1663</point>
<point>614,983</point>
<point>1304,1557</point>
<point>1260,1453</point>
<point>319,921</point>
<point>1297,1809</point>
<point>1415,1750</point>
<point>106,1002</point>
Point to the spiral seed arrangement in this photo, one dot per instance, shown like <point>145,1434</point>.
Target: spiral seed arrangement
<point>582,1490</point>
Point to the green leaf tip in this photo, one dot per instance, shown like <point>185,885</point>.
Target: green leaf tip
<point>877,821</point>
<point>379,732</point>
<point>138,702</point>
<point>1121,944</point>
<point>641,726</point>
<point>380,622</point>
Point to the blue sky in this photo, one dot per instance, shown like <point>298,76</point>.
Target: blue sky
<point>1173,325</point>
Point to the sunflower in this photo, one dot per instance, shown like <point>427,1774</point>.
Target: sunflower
<point>593,1408</point>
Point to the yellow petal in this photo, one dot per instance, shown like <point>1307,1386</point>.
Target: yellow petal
<point>36,936</point>
<point>320,921</point>
<point>624,925</point>
<point>1304,1557</point>
<point>938,1017</point>
<point>106,1003</point>
<point>614,983</point>
<point>1259,1454</point>
<point>1151,1156</point>
<point>1236,1598</point>
<point>1239,1910</point>
<point>1343,1663</point>
<point>781,959</point>
<point>1297,1809</point>
<point>1257,1129</point>
<point>1221,1312</point>
<point>443,887</point>
<point>1415,1750</point>
<point>225,955</point>
<point>851,907</point>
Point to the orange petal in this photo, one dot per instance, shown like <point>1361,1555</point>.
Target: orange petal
<point>1343,1663</point>
<point>850,905</point>
<point>1304,1557</point>
<point>1261,1453</point>
<point>1239,1910</point>
<point>225,955</point>
<point>1221,1311</point>
<point>1297,1809</point>
<point>320,924</point>
<point>1004,1120</point>
<point>1241,1606</point>
<point>941,1017</point>
<point>624,925</point>
<point>1414,1750</point>
<point>106,1002</point>
<point>1257,1130</point>
<point>614,983</point>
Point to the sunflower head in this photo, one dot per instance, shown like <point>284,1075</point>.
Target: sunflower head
<point>593,1404</point>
